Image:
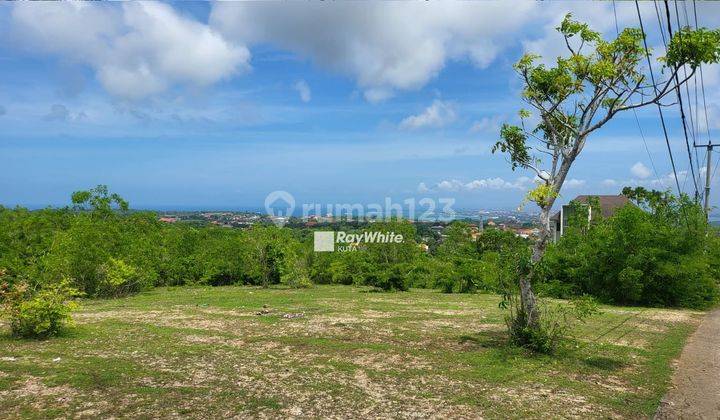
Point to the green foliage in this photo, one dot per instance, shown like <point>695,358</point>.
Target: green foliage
<point>385,266</point>
<point>664,255</point>
<point>513,143</point>
<point>510,257</point>
<point>99,201</point>
<point>117,278</point>
<point>458,242</point>
<point>693,47</point>
<point>650,200</point>
<point>579,94</point>
<point>584,89</point>
<point>388,278</point>
<point>570,28</point>
<point>38,314</point>
<point>555,327</point>
<point>542,195</point>
<point>466,265</point>
<point>84,251</point>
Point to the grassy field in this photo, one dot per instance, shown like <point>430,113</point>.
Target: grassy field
<point>206,352</point>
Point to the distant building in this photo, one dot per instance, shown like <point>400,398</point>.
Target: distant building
<point>475,232</point>
<point>609,204</point>
<point>168,219</point>
<point>526,232</point>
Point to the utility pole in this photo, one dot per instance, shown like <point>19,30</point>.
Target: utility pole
<point>707,181</point>
<point>708,147</point>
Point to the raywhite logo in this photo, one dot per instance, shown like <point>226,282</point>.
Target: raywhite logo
<point>280,206</point>
<point>325,241</point>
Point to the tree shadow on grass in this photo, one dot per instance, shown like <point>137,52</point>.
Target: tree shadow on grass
<point>498,342</point>
<point>485,340</point>
<point>604,363</point>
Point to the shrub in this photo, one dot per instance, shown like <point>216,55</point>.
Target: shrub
<point>663,255</point>
<point>388,278</point>
<point>557,289</point>
<point>42,314</point>
<point>117,278</point>
<point>556,323</point>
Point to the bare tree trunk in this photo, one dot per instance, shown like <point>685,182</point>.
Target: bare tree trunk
<point>528,302</point>
<point>527,296</point>
<point>541,243</point>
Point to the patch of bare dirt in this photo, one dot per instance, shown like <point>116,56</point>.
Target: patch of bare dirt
<point>561,402</point>
<point>611,383</point>
<point>382,362</point>
<point>214,340</point>
<point>668,316</point>
<point>41,395</point>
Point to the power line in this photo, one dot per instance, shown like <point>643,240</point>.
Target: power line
<point>652,78</point>
<point>702,89</point>
<point>680,101</point>
<point>637,120</point>
<point>709,147</point>
<point>689,102</point>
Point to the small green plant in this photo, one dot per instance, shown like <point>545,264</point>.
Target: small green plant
<point>118,278</point>
<point>39,314</point>
<point>293,271</point>
<point>555,324</point>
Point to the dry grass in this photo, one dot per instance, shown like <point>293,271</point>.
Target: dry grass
<point>204,352</point>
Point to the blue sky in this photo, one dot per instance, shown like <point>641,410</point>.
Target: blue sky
<point>216,105</point>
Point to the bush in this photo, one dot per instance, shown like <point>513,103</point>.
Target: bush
<point>42,314</point>
<point>388,278</point>
<point>662,255</point>
<point>117,278</point>
<point>556,323</point>
<point>557,289</point>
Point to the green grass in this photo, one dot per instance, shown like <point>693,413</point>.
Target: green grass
<point>203,352</point>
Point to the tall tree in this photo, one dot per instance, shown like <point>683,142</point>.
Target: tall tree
<point>578,95</point>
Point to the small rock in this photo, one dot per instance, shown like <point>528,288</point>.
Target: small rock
<point>57,359</point>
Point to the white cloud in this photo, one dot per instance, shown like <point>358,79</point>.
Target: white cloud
<point>574,183</point>
<point>384,46</point>
<point>422,188</point>
<point>303,90</point>
<point>136,49</point>
<point>641,171</point>
<point>496,183</point>
<point>522,183</point>
<point>487,125</point>
<point>663,182</point>
<point>439,114</point>
<point>375,95</point>
<point>609,183</point>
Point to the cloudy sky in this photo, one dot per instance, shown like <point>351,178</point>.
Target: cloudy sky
<point>216,105</point>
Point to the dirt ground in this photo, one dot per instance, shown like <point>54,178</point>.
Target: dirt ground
<point>695,391</point>
<point>333,352</point>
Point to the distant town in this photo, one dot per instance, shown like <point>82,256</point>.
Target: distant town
<point>523,224</point>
